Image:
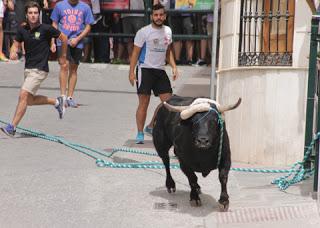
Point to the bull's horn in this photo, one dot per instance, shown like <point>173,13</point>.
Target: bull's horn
<point>223,109</point>
<point>204,100</point>
<point>174,108</point>
<point>203,107</point>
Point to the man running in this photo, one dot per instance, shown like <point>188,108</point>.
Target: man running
<point>37,38</point>
<point>73,18</point>
<point>152,47</point>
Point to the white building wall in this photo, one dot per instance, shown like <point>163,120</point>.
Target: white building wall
<point>268,127</point>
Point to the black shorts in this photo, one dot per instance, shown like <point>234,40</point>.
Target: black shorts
<point>152,79</point>
<point>73,54</point>
<point>182,25</point>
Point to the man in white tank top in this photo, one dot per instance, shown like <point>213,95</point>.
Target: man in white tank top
<point>152,47</point>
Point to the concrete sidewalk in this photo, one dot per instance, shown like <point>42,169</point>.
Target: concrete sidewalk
<point>46,184</point>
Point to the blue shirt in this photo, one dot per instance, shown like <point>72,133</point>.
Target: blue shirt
<point>72,19</point>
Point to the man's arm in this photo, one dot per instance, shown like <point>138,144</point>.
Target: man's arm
<point>84,33</point>
<point>53,47</point>
<point>14,50</point>
<point>133,63</point>
<point>172,62</point>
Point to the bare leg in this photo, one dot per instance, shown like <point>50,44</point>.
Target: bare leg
<point>203,49</point>
<point>63,78</point>
<point>73,68</point>
<point>163,97</point>
<point>27,99</point>
<point>141,113</point>
<point>87,53</point>
<point>177,45</point>
<point>130,48</point>
<point>189,46</point>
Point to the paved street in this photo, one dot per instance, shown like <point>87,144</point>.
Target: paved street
<point>47,184</point>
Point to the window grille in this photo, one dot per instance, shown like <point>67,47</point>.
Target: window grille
<point>266,32</point>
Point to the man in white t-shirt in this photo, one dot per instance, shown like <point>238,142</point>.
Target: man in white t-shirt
<point>152,47</point>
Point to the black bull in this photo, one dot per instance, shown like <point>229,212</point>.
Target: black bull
<point>196,143</point>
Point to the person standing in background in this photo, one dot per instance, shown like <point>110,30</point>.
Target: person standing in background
<point>152,47</point>
<point>132,22</point>
<point>3,5</point>
<point>74,18</point>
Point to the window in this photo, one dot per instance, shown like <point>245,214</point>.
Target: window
<point>266,32</point>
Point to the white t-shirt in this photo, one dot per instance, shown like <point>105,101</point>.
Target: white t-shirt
<point>1,9</point>
<point>154,43</point>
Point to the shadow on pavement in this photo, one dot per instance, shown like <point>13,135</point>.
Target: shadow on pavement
<point>181,199</point>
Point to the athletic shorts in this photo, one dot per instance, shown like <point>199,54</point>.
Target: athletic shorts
<point>152,79</point>
<point>73,54</point>
<point>182,25</point>
<point>1,9</point>
<point>131,25</point>
<point>33,79</point>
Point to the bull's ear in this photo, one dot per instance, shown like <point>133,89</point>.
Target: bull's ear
<point>173,108</point>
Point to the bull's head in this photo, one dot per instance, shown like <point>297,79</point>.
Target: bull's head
<point>203,115</point>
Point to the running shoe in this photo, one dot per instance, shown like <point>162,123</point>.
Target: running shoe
<point>148,130</point>
<point>3,58</point>
<point>9,130</point>
<point>60,107</point>
<point>200,62</point>
<point>140,138</point>
<point>71,103</point>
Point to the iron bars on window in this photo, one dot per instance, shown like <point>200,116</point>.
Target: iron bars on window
<point>266,32</point>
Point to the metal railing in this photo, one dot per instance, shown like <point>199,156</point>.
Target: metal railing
<point>266,32</point>
<point>313,98</point>
<point>147,13</point>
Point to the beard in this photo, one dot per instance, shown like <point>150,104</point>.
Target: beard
<point>157,23</point>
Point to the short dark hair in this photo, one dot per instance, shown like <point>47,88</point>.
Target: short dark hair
<point>157,6</point>
<point>31,4</point>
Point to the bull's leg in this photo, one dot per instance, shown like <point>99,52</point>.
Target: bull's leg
<point>162,145</point>
<point>193,182</point>
<point>223,174</point>
<point>170,184</point>
<point>224,197</point>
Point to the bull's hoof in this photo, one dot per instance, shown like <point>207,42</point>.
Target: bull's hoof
<point>223,206</point>
<point>171,190</point>
<point>196,187</point>
<point>195,203</point>
<point>194,198</point>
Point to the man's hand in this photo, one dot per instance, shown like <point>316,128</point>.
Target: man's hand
<point>174,73</point>
<point>132,78</point>
<point>13,55</point>
<point>73,42</point>
<point>45,4</point>
<point>53,47</point>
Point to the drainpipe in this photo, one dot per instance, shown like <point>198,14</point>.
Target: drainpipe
<point>213,82</point>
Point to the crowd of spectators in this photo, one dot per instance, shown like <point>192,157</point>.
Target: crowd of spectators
<point>117,50</point>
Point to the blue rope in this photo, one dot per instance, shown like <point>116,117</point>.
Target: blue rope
<point>296,172</point>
